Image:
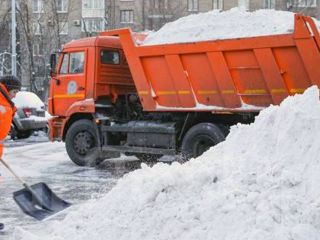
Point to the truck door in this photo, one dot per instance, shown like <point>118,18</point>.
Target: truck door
<point>69,84</point>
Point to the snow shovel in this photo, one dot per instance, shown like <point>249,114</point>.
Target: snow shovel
<point>37,200</point>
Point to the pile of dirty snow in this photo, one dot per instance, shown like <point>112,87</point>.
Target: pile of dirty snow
<point>235,23</point>
<point>262,183</point>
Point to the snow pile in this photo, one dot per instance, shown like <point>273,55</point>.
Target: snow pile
<point>214,25</point>
<point>27,99</point>
<point>262,183</point>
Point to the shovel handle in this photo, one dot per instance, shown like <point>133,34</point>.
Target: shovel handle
<point>13,172</point>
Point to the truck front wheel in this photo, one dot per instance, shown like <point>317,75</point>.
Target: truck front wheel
<point>200,138</point>
<point>82,143</point>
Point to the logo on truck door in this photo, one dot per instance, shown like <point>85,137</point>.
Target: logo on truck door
<point>72,87</point>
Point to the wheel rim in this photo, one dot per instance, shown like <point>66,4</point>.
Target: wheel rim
<point>201,144</point>
<point>83,142</point>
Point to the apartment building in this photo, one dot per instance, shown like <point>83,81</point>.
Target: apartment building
<point>88,17</point>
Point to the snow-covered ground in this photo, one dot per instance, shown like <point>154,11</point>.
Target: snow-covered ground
<point>38,160</point>
<point>261,183</point>
<point>36,137</point>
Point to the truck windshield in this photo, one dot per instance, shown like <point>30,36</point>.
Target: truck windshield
<point>76,62</point>
<point>64,66</point>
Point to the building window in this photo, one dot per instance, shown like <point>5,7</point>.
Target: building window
<point>37,28</point>
<point>193,5</point>
<point>93,4</point>
<point>302,3</point>
<point>37,6</point>
<point>93,24</point>
<point>217,4</point>
<point>269,4</point>
<point>76,62</point>
<point>161,4</point>
<point>126,16</point>
<point>64,65</point>
<point>63,28</point>
<point>243,4</point>
<point>62,5</point>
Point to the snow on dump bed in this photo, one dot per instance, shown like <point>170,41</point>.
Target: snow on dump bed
<point>262,183</point>
<point>214,25</point>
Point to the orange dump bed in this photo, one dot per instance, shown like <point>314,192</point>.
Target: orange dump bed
<point>245,74</point>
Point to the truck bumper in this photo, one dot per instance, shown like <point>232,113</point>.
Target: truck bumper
<point>31,124</point>
<point>56,126</point>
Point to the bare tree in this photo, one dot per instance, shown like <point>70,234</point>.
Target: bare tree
<point>111,13</point>
<point>42,32</point>
<point>85,27</point>
<point>5,54</point>
<point>98,18</point>
<point>27,38</point>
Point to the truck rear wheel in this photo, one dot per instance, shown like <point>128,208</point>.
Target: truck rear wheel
<point>200,138</point>
<point>82,143</point>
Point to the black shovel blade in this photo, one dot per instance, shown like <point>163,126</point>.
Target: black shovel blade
<point>39,203</point>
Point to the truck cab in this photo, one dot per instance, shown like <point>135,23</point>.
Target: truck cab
<point>88,77</point>
<point>88,69</point>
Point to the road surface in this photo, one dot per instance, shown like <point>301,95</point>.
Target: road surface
<point>38,160</point>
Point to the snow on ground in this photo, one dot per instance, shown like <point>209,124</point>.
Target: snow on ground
<point>48,162</point>
<point>25,159</point>
<point>234,23</point>
<point>261,183</point>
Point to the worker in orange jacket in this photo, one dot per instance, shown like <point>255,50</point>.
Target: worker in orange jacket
<point>9,87</point>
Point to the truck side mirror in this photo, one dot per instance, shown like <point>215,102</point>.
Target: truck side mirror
<point>53,64</point>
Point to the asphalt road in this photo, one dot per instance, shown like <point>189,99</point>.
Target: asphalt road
<point>38,160</point>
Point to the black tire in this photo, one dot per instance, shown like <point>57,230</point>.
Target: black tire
<point>145,157</point>
<point>46,129</point>
<point>24,134</point>
<point>82,143</point>
<point>200,138</point>
<point>13,132</point>
<point>16,134</point>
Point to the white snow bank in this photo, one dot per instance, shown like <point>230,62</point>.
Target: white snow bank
<point>27,99</point>
<point>214,25</point>
<point>262,183</point>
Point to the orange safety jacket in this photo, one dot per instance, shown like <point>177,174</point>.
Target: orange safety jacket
<point>7,111</point>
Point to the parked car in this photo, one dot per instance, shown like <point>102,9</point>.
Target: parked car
<point>30,116</point>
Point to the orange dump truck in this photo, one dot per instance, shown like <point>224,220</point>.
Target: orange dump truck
<point>110,95</point>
